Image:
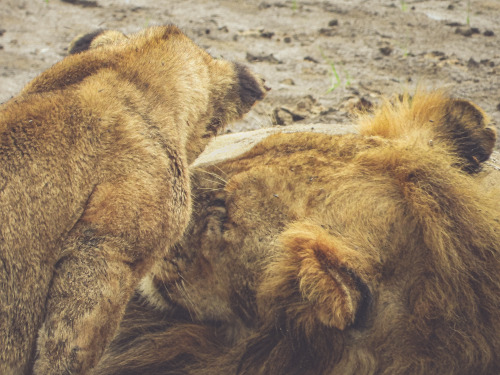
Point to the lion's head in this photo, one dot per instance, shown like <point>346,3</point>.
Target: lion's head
<point>375,253</point>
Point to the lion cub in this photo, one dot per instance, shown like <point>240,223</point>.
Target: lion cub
<point>94,185</point>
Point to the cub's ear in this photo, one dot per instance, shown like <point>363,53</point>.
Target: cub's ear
<point>234,90</point>
<point>95,39</point>
<point>251,87</point>
<point>317,278</point>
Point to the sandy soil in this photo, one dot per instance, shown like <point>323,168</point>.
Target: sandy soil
<point>321,58</point>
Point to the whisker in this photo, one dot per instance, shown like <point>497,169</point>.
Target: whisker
<point>213,174</point>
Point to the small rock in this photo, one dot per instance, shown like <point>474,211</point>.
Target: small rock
<point>328,111</point>
<point>488,33</point>
<point>311,59</point>
<point>306,104</point>
<point>287,39</point>
<point>306,107</point>
<point>2,31</point>
<point>386,51</point>
<point>468,31</point>
<point>288,81</point>
<point>472,63</point>
<point>438,55</point>
<point>358,105</point>
<point>464,32</point>
<point>451,7</point>
<point>498,106</point>
<point>267,34</point>
<point>487,62</point>
<point>282,116</point>
<point>263,58</point>
<point>333,22</point>
<point>82,3</point>
<point>327,32</point>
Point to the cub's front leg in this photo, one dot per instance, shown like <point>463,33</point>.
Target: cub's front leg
<point>128,224</point>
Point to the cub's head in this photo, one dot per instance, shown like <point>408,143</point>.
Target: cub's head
<point>222,90</point>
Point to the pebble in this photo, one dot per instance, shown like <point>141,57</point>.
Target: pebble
<point>311,59</point>
<point>467,32</point>
<point>267,34</point>
<point>263,58</point>
<point>472,63</point>
<point>327,32</point>
<point>386,51</point>
<point>282,117</point>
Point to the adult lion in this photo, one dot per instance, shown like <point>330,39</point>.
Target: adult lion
<point>375,253</point>
<point>95,188</point>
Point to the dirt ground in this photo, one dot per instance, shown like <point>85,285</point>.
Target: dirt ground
<point>321,58</point>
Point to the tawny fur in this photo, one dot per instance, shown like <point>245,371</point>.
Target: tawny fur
<point>95,186</point>
<point>313,254</point>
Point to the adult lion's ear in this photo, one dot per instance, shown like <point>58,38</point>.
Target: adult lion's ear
<point>458,124</point>
<point>314,288</point>
<point>95,39</point>
<point>467,128</point>
<point>318,278</point>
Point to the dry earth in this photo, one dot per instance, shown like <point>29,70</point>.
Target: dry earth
<point>321,58</point>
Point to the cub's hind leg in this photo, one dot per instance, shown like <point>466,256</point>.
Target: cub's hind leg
<point>91,286</point>
<point>127,226</point>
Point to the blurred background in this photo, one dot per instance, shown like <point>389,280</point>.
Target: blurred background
<point>322,59</point>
